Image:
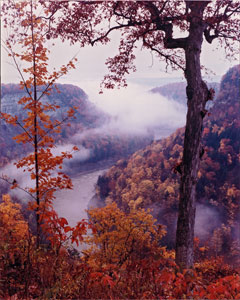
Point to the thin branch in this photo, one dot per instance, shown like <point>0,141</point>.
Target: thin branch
<point>46,89</point>
<point>53,81</point>
<point>4,178</point>
<point>226,36</point>
<point>167,57</point>
<point>19,124</point>
<point>20,72</point>
<point>231,12</point>
<point>163,7</point>
<point>107,33</point>
<point>221,18</point>
<point>47,18</point>
<point>51,129</point>
<point>119,14</point>
<point>46,191</point>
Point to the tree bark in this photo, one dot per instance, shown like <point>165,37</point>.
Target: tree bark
<point>197,93</point>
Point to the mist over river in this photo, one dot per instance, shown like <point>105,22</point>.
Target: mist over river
<point>72,204</point>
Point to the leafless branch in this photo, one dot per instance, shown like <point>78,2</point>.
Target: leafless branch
<point>20,72</point>
<point>167,57</point>
<point>10,182</point>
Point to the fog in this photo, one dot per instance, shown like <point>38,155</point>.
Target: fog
<point>133,110</point>
<point>136,110</point>
<point>24,181</point>
<point>73,204</point>
<point>207,219</point>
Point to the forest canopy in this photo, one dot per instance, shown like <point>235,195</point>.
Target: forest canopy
<point>130,254</point>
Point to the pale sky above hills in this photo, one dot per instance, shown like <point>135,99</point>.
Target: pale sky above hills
<point>90,70</point>
<point>91,63</point>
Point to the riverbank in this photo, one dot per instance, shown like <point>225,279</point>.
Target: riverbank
<point>90,167</point>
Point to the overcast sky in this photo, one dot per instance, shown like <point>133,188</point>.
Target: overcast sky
<point>91,62</point>
<point>91,68</point>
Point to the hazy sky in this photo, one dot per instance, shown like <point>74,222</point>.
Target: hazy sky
<point>91,68</point>
<point>91,62</point>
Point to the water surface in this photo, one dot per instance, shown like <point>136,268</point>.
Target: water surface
<point>72,204</point>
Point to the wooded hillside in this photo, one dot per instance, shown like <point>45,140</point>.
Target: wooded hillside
<point>150,178</point>
<point>89,123</point>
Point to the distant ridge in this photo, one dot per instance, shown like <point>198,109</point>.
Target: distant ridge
<point>89,129</point>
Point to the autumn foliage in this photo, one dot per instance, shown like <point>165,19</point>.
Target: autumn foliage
<point>37,128</point>
<point>155,26</point>
<point>123,255</point>
<point>125,260</point>
<point>150,177</point>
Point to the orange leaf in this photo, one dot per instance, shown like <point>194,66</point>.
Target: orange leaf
<point>67,229</point>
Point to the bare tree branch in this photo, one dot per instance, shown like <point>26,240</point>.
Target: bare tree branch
<point>6,179</point>
<point>110,29</point>
<point>167,57</point>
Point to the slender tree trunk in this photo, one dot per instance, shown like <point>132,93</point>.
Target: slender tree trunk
<point>35,125</point>
<point>197,95</point>
<point>36,165</point>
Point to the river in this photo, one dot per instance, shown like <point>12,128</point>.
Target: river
<point>72,204</point>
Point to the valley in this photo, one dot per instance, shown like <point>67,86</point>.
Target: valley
<point>120,150</point>
<point>101,147</point>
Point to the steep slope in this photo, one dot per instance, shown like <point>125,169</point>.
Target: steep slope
<point>66,96</point>
<point>150,177</point>
<point>177,91</point>
<point>89,129</point>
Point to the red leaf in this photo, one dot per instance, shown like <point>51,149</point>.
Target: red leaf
<point>62,222</point>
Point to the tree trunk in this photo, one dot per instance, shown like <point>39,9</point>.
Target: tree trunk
<point>35,125</point>
<point>197,96</point>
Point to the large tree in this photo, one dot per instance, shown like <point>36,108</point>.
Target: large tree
<point>152,25</point>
